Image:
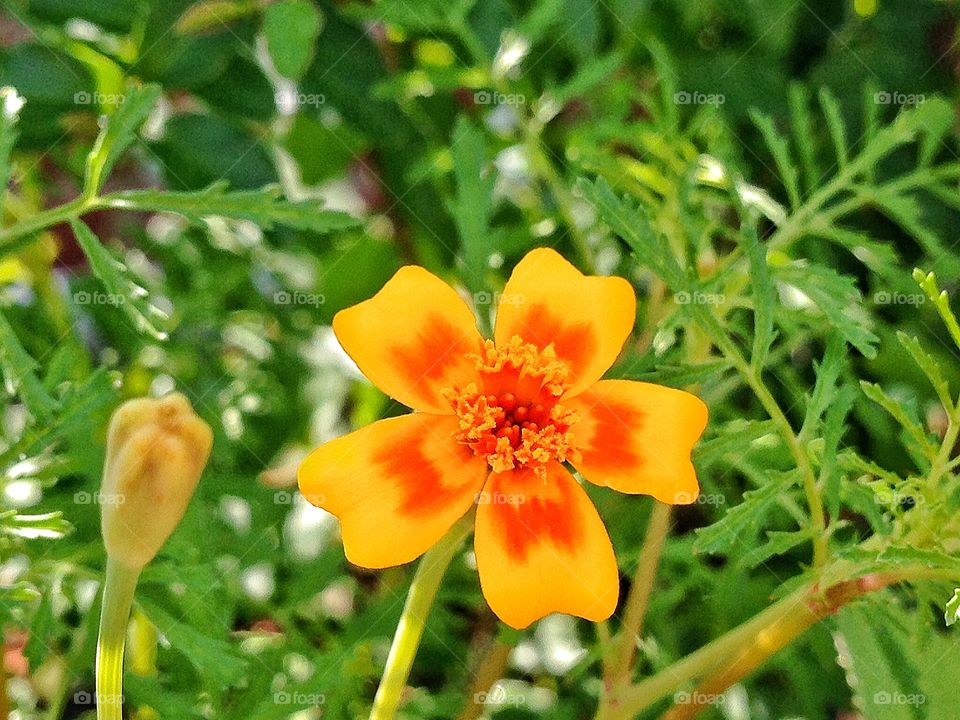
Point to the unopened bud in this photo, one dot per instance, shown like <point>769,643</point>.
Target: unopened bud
<point>156,451</point>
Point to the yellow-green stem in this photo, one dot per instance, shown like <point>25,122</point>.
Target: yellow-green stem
<point>640,591</point>
<point>118,591</point>
<point>420,598</point>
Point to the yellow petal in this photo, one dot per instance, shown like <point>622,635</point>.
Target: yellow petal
<point>587,318</point>
<point>637,437</point>
<point>397,486</point>
<point>541,548</point>
<point>411,339</point>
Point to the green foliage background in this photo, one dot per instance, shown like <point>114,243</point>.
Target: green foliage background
<point>767,174</point>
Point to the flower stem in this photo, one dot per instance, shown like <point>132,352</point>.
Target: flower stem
<point>643,580</point>
<point>420,598</point>
<point>118,590</point>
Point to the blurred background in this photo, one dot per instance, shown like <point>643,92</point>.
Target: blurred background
<point>454,131</point>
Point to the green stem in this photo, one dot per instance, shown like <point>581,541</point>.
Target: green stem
<point>640,591</point>
<point>420,598</point>
<point>22,234</point>
<point>743,649</point>
<point>118,590</point>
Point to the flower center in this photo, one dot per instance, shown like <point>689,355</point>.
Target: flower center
<point>513,416</point>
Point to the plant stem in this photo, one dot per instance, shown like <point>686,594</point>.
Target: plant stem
<point>754,380</point>
<point>735,654</point>
<point>16,237</point>
<point>492,667</point>
<point>118,590</point>
<point>420,598</point>
<point>640,590</point>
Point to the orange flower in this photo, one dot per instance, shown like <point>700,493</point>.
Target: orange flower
<point>494,422</point>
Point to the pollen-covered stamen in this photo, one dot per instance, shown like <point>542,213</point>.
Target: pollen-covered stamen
<point>515,419</point>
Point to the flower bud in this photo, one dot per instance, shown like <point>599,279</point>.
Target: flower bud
<point>156,451</point>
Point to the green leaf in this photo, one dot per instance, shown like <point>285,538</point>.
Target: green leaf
<point>291,28</point>
<point>631,223</point>
<point>900,414</point>
<point>801,123</point>
<point>19,373</point>
<point>928,283</point>
<point>742,522</point>
<point>777,543</point>
<point>120,130</point>
<point>122,291</point>
<point>737,438</point>
<point>897,667</point>
<point>20,592</point>
<point>215,660</point>
<point>10,104</point>
<point>764,297</point>
<point>952,612</point>
<point>838,299</point>
<point>472,204</point>
<point>835,125</point>
<point>930,367</point>
<point>825,389</point>
<point>834,428</point>
<point>263,207</point>
<point>780,151</point>
<point>47,526</point>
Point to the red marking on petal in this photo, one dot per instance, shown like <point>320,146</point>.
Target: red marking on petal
<point>611,444</point>
<point>421,480</point>
<point>532,518</point>
<point>437,344</point>
<point>575,344</point>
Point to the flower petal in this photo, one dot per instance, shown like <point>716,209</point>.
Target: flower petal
<point>587,318</point>
<point>411,338</point>
<point>542,548</point>
<point>636,437</point>
<point>397,486</point>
